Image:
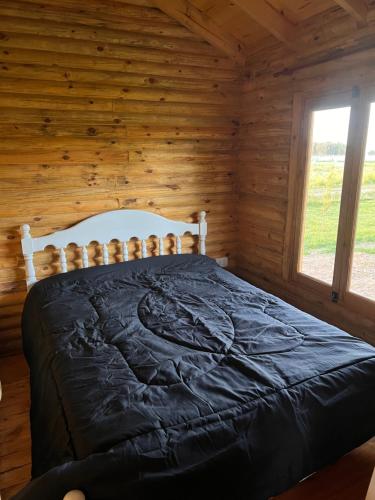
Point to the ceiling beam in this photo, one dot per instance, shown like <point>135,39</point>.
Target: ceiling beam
<point>356,8</point>
<point>201,24</point>
<point>265,15</point>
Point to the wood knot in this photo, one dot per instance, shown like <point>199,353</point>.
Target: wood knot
<point>174,187</point>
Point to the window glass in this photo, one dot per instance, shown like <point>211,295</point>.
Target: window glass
<point>329,136</point>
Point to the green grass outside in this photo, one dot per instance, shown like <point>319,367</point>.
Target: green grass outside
<point>323,206</point>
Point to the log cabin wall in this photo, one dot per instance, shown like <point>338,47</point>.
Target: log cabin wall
<point>332,55</point>
<point>105,106</point>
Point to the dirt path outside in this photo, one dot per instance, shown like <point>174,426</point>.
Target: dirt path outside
<point>320,266</point>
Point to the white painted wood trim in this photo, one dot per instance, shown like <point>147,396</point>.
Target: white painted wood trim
<point>63,263</point>
<point>179,245</point>
<point>121,225</point>
<point>202,232</point>
<point>85,256</point>
<point>144,249</point>
<point>105,254</point>
<point>161,245</point>
<point>74,495</point>
<point>125,251</point>
<point>371,489</point>
<point>27,250</point>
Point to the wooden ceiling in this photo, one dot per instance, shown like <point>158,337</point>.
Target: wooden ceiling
<point>240,27</point>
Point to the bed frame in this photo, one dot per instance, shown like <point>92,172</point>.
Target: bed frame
<point>120,225</point>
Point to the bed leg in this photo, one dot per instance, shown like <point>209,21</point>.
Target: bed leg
<point>74,495</point>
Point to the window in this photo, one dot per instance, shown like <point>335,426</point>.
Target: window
<point>331,213</point>
<point>363,268</point>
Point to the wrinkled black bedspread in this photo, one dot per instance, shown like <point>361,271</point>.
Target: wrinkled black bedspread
<point>169,377</point>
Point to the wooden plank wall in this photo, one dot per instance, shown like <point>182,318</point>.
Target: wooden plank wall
<point>105,105</point>
<point>333,55</point>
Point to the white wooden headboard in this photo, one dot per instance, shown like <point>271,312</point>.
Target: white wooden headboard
<point>121,225</point>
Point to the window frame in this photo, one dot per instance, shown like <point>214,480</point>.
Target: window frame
<point>359,99</point>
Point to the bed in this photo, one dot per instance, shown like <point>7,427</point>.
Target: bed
<point>169,377</point>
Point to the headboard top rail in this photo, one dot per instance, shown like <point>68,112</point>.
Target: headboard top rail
<point>121,225</point>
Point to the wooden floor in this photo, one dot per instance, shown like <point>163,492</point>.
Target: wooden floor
<point>348,479</point>
<point>14,426</point>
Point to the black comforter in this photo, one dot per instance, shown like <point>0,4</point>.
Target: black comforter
<point>169,377</point>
